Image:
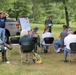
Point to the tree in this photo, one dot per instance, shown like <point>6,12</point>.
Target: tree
<point>66,12</point>
<point>65,7</point>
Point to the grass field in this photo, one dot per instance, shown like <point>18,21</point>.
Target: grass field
<point>52,62</point>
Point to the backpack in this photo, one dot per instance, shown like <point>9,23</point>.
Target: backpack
<point>37,59</point>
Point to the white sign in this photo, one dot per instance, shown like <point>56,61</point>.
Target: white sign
<point>25,24</point>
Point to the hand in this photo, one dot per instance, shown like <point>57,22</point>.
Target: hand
<point>6,14</point>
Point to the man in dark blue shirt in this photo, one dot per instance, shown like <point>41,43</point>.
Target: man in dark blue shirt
<point>2,26</point>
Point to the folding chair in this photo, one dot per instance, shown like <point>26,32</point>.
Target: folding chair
<point>73,49</point>
<point>14,40</point>
<point>26,47</point>
<point>49,40</point>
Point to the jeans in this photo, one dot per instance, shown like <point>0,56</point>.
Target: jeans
<point>57,44</point>
<point>44,47</point>
<point>66,51</point>
<point>2,34</point>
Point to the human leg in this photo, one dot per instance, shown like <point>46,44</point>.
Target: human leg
<point>2,34</point>
<point>46,49</point>
<point>65,53</point>
<point>42,46</point>
<point>26,56</point>
<point>35,48</point>
<point>57,45</point>
<point>4,58</point>
<point>50,29</point>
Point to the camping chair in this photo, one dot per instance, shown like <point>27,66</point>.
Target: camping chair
<point>73,49</point>
<point>26,47</point>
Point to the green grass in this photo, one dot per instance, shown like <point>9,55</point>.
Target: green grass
<point>52,63</point>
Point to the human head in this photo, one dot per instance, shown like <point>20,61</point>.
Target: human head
<point>24,33</point>
<point>69,31</point>
<point>65,27</point>
<point>1,14</point>
<point>48,17</point>
<point>46,29</point>
<point>74,32</point>
<point>35,29</point>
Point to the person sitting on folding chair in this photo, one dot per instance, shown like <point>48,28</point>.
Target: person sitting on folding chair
<point>70,38</point>
<point>45,34</point>
<point>59,44</point>
<point>24,38</point>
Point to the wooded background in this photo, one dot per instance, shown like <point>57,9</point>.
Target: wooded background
<point>61,11</point>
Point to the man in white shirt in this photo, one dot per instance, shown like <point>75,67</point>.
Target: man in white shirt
<point>67,40</point>
<point>45,34</point>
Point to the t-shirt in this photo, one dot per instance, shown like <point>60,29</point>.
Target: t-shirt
<point>63,35</point>
<point>47,22</point>
<point>2,22</point>
<point>69,39</point>
<point>44,35</point>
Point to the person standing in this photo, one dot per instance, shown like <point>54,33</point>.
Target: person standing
<point>48,23</point>
<point>2,35</point>
<point>2,26</point>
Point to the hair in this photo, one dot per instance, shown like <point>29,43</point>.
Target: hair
<point>45,29</point>
<point>65,27</point>
<point>24,33</point>
<point>74,32</point>
<point>35,29</point>
<point>70,31</point>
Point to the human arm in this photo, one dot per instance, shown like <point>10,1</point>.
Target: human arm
<point>6,14</point>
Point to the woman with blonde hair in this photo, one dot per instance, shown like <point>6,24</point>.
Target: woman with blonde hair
<point>24,38</point>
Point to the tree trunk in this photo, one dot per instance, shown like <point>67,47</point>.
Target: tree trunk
<point>66,13</point>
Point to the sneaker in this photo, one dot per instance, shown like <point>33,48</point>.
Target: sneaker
<point>58,50</point>
<point>7,62</point>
